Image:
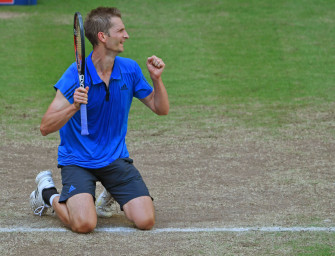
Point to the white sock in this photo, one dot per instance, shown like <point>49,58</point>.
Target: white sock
<point>52,198</point>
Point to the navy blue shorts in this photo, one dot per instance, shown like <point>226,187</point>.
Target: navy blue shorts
<point>120,178</point>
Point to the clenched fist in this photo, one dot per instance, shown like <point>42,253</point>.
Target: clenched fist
<point>155,67</point>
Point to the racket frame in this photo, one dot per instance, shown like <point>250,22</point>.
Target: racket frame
<point>80,61</point>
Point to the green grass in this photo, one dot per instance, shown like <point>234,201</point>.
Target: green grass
<point>253,61</point>
<point>305,247</point>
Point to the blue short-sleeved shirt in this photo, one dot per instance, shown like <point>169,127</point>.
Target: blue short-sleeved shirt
<point>107,113</point>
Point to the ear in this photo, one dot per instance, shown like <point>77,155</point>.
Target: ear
<point>102,36</point>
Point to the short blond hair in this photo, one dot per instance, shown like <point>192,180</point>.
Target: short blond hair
<point>98,20</point>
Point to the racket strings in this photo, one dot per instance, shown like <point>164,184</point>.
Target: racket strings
<point>78,47</point>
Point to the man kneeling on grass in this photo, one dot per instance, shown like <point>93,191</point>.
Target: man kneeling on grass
<point>110,85</point>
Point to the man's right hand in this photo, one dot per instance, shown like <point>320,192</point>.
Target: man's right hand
<point>60,110</point>
<point>80,96</point>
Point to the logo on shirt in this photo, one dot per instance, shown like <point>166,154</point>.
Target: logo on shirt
<point>124,87</point>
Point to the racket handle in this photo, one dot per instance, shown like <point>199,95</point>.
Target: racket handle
<point>83,116</point>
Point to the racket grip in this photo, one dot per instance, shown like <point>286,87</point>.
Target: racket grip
<point>83,116</point>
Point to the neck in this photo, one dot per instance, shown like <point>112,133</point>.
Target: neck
<point>103,64</point>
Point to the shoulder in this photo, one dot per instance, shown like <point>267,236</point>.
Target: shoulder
<point>127,65</point>
<point>68,82</point>
<point>71,72</point>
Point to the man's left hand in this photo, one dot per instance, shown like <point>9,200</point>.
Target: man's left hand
<point>155,67</point>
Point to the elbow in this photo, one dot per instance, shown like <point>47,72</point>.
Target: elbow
<point>43,130</point>
<point>163,112</point>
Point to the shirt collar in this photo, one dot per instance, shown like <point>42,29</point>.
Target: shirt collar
<point>116,73</point>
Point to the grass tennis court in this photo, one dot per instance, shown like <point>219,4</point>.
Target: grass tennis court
<point>249,141</point>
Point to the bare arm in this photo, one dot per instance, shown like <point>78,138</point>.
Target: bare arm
<point>60,111</point>
<point>158,100</point>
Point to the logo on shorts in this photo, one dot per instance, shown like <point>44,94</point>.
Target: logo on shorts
<point>71,189</point>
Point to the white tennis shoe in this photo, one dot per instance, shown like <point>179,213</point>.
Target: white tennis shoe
<point>43,181</point>
<point>106,206</point>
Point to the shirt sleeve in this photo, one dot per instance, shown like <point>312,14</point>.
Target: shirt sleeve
<point>68,83</point>
<point>142,88</point>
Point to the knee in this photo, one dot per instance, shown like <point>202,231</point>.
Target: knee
<point>83,226</point>
<point>145,224</point>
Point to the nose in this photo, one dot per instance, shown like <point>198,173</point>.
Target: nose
<point>126,35</point>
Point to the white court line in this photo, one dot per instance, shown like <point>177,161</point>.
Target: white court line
<point>176,230</point>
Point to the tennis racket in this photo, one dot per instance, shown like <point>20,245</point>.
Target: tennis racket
<point>79,49</point>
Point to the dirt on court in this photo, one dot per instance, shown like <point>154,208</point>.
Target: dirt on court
<point>11,15</point>
<point>224,177</point>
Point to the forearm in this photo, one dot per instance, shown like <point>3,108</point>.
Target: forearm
<point>52,121</point>
<point>161,100</point>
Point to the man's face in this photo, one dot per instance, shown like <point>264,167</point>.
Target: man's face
<point>117,35</point>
